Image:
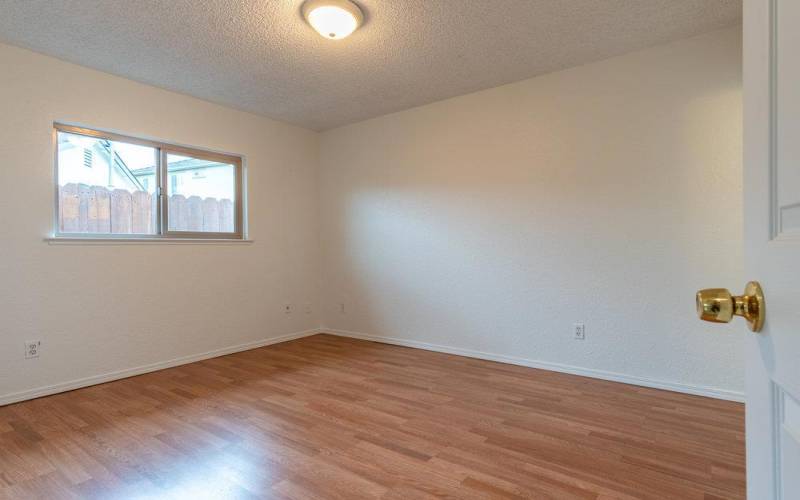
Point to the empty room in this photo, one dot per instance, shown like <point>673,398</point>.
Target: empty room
<point>408,249</point>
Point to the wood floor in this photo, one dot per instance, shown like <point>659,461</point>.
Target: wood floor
<point>328,417</point>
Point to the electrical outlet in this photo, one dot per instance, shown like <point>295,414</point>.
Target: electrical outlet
<point>307,308</point>
<point>32,348</point>
<point>580,331</point>
<point>342,309</point>
<point>288,308</point>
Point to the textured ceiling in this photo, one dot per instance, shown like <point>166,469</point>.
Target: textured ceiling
<point>260,56</point>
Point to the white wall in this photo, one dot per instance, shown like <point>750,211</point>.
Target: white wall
<point>491,222</point>
<point>103,309</point>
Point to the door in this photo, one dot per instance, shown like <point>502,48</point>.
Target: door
<point>772,244</point>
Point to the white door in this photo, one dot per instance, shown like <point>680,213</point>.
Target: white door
<point>772,244</point>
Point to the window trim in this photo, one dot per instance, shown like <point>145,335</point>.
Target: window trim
<point>162,207</point>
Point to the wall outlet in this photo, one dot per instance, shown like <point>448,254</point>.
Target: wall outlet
<point>580,331</point>
<point>32,348</point>
<point>288,308</point>
<point>307,308</point>
<point>342,309</point>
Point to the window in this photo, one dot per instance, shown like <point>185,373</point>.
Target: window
<point>201,194</point>
<point>143,188</point>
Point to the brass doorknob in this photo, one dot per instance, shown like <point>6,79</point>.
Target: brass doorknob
<point>719,306</point>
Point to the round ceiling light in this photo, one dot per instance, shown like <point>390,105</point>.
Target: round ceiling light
<point>333,19</point>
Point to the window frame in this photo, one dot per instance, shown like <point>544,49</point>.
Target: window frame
<point>161,189</point>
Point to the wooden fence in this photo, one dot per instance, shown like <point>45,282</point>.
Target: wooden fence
<point>96,209</point>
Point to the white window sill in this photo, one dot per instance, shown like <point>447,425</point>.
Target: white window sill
<point>89,240</point>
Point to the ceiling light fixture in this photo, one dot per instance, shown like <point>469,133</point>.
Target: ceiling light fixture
<point>333,19</point>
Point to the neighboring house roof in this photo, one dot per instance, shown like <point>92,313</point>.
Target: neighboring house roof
<point>180,166</point>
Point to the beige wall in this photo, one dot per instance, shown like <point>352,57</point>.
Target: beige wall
<point>486,225</point>
<point>105,309</point>
<point>606,194</point>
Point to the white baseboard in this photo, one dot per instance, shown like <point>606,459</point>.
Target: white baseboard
<point>545,365</point>
<point>139,370</point>
<point>711,392</point>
